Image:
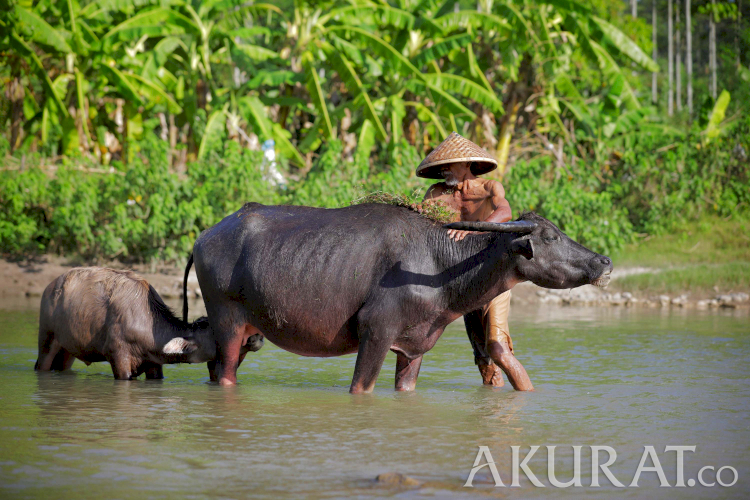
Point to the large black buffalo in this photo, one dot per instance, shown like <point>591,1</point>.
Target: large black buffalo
<point>368,279</point>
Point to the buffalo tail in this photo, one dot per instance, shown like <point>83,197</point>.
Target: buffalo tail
<point>184,289</point>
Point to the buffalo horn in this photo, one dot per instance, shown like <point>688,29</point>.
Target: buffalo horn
<point>516,226</point>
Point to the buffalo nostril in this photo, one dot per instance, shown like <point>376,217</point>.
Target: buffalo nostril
<point>606,261</point>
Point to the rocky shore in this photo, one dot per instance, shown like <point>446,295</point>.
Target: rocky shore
<point>593,296</point>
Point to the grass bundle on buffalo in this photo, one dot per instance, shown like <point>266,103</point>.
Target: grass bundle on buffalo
<point>433,209</point>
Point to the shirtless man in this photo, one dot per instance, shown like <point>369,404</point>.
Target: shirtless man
<point>458,161</point>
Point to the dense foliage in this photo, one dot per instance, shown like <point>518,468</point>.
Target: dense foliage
<point>143,211</point>
<point>86,76</point>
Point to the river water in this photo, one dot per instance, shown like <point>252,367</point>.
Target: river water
<point>624,378</point>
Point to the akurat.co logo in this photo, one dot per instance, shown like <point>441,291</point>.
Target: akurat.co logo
<point>707,476</point>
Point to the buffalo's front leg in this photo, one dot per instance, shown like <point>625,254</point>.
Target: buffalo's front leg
<point>228,354</point>
<point>63,361</point>
<point>153,371</point>
<point>122,367</point>
<point>213,370</point>
<point>229,342</point>
<point>374,344</point>
<point>407,371</point>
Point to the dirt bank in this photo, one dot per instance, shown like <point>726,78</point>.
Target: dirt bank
<point>30,278</point>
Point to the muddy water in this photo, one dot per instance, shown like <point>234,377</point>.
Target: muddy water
<point>606,377</point>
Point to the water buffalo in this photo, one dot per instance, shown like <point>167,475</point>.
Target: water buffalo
<point>99,314</point>
<point>367,279</point>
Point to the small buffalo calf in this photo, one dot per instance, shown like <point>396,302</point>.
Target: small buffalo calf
<point>98,314</point>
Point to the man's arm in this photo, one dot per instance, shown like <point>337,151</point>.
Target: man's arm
<point>502,212</point>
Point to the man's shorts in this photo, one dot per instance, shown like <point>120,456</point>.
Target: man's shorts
<point>495,320</point>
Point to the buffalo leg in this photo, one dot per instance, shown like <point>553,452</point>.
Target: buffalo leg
<point>63,361</point>
<point>213,370</point>
<point>213,367</point>
<point>491,374</point>
<point>153,371</point>
<point>407,371</point>
<point>121,367</point>
<point>229,360</point>
<point>48,349</point>
<point>370,356</point>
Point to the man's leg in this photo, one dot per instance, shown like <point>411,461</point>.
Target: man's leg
<point>491,374</point>
<point>499,343</point>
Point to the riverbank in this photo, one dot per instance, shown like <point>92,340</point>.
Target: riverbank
<point>703,264</point>
<point>30,278</point>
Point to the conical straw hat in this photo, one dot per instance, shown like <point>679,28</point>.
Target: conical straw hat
<point>452,150</point>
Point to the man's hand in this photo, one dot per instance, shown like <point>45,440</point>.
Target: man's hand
<point>457,235</point>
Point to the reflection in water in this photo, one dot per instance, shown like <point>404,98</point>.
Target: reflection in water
<point>616,377</point>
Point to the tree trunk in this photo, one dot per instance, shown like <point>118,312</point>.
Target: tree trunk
<point>712,48</point>
<point>670,60</point>
<point>737,28</point>
<point>15,93</point>
<point>506,134</point>
<point>677,58</point>
<point>689,56</point>
<point>518,92</point>
<point>634,8</point>
<point>654,94</point>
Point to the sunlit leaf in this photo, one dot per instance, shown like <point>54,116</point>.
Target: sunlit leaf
<point>353,82</point>
<point>466,88</point>
<point>212,134</point>
<point>273,79</point>
<point>157,22</point>
<point>441,48</point>
<point>469,19</point>
<point>713,129</point>
<point>155,94</point>
<point>255,113</point>
<point>80,93</point>
<point>318,97</point>
<point>255,52</point>
<point>120,81</point>
<point>41,32</point>
<point>365,143</point>
<point>393,57</point>
<point>624,44</point>
<point>452,105</point>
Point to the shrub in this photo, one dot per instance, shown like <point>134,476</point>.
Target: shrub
<point>143,211</point>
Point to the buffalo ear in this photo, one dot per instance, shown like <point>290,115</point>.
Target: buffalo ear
<point>523,246</point>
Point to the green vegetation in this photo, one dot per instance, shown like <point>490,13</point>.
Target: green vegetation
<point>710,254</point>
<point>129,127</point>
<point>708,240</point>
<point>85,76</point>
<point>144,211</point>
<point>701,278</point>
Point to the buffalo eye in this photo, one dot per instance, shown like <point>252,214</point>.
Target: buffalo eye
<point>549,238</point>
